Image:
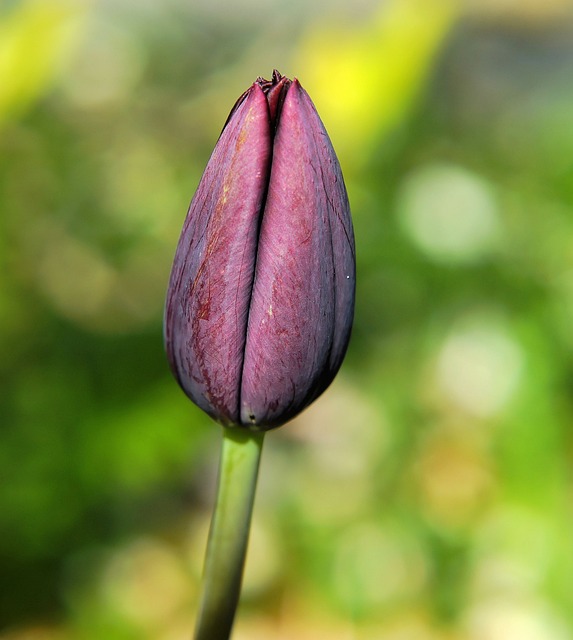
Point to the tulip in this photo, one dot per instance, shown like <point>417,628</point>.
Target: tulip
<point>261,295</point>
<point>260,302</point>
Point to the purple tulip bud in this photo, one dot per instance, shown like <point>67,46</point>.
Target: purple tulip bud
<point>261,296</point>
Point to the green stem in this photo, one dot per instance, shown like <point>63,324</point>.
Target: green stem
<point>229,533</point>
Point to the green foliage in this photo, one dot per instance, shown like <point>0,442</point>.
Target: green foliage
<point>428,492</point>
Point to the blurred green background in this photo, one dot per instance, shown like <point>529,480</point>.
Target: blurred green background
<point>428,494</point>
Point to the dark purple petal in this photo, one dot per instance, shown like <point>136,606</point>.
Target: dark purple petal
<point>302,305</point>
<point>211,281</point>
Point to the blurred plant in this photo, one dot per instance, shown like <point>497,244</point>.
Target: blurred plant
<point>380,69</point>
<point>36,38</point>
<point>440,506</point>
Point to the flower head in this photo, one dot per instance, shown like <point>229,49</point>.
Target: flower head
<point>261,295</point>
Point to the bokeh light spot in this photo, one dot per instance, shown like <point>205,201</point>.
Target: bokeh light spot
<point>479,367</point>
<point>449,213</point>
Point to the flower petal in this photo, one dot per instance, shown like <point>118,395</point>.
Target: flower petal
<point>302,303</point>
<point>212,276</point>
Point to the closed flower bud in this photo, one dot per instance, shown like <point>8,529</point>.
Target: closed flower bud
<point>261,295</point>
